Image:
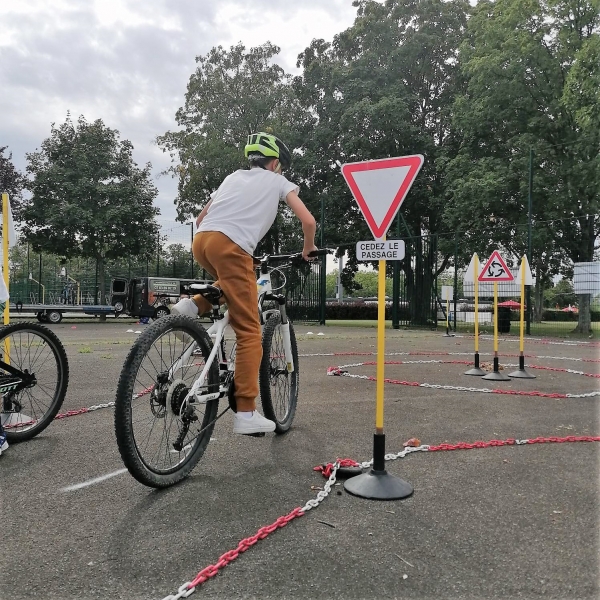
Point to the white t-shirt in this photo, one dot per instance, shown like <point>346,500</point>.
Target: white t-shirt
<point>245,206</point>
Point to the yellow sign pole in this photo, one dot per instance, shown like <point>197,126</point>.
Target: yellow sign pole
<point>380,347</point>
<point>521,372</point>
<point>369,181</point>
<point>496,373</point>
<point>378,484</point>
<point>522,309</point>
<point>476,288</point>
<point>476,370</point>
<point>5,266</point>
<point>495,320</point>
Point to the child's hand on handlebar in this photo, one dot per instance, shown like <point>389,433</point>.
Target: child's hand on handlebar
<point>307,250</point>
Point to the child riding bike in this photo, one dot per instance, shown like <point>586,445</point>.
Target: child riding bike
<point>230,227</point>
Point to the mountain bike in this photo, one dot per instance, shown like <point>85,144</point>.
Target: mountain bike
<point>34,375</point>
<point>177,371</point>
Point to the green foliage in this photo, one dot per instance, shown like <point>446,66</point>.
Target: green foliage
<point>525,62</point>
<point>330,285</point>
<point>559,315</point>
<point>560,295</point>
<point>231,94</point>
<point>356,311</point>
<point>89,198</point>
<point>178,260</point>
<point>530,106</point>
<point>382,88</point>
<point>12,181</point>
<point>366,285</point>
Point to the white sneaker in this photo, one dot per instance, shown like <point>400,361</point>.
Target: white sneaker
<point>186,306</point>
<point>255,424</point>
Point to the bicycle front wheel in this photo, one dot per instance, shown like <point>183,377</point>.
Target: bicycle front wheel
<point>160,435</point>
<point>278,387</point>
<point>39,354</point>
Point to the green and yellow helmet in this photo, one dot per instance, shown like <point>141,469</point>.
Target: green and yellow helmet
<point>269,146</point>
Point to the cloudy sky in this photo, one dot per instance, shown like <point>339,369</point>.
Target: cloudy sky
<point>128,62</point>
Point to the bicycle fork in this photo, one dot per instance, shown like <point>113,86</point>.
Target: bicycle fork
<point>287,341</point>
<point>285,327</point>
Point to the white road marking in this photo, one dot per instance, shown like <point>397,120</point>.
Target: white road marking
<point>78,486</point>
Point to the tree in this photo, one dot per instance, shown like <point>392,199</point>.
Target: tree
<point>12,182</point>
<point>231,94</point>
<point>89,198</point>
<point>532,70</point>
<point>560,295</point>
<point>384,88</point>
<point>179,261</point>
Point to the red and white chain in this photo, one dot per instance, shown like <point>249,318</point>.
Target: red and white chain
<point>78,411</point>
<point>330,471</point>
<point>341,372</point>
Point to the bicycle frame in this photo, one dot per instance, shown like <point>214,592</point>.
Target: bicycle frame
<point>26,379</point>
<point>217,330</point>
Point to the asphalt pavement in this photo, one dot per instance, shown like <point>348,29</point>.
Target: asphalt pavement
<point>512,521</point>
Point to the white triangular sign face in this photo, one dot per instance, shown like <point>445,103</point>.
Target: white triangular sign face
<point>528,275</point>
<point>380,186</point>
<point>471,272</point>
<point>495,269</point>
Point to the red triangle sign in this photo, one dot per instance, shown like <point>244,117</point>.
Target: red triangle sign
<point>380,186</point>
<point>495,269</point>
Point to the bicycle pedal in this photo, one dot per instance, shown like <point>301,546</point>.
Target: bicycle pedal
<point>258,434</point>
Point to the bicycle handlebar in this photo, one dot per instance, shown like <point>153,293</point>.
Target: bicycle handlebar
<point>295,258</point>
<point>321,252</point>
<point>273,258</point>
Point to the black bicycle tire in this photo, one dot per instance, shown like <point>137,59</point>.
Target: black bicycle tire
<point>266,395</point>
<point>51,339</point>
<point>123,403</point>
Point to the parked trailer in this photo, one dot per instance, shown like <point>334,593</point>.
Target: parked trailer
<point>53,313</point>
<point>138,297</point>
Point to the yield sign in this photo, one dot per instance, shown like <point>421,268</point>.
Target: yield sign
<point>495,269</point>
<point>380,186</point>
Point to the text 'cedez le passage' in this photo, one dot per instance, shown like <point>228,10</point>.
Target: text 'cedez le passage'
<point>391,249</point>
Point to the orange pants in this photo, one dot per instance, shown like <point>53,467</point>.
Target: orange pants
<point>233,269</point>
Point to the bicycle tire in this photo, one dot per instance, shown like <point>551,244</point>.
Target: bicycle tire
<point>31,346</point>
<point>149,400</point>
<point>278,388</point>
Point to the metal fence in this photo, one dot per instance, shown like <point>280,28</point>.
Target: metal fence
<point>48,279</point>
<point>552,305</point>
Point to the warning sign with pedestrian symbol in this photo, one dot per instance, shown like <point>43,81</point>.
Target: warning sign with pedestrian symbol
<point>495,269</point>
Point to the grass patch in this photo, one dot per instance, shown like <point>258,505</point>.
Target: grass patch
<point>85,350</point>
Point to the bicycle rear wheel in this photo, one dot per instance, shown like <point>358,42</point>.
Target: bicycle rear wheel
<point>39,354</point>
<point>160,437</point>
<point>278,387</point>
